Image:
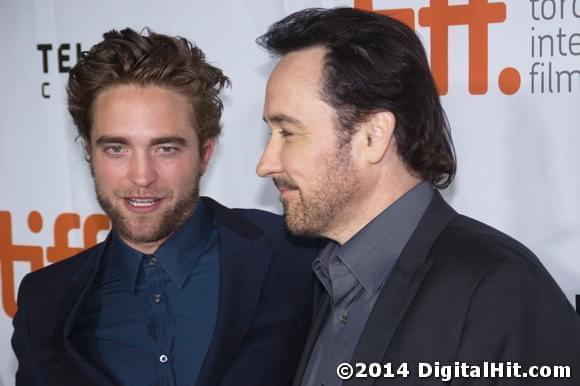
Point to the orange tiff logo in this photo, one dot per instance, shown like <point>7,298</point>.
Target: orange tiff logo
<point>477,15</point>
<point>33,254</point>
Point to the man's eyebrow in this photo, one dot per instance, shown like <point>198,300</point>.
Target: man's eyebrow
<point>282,118</point>
<point>169,139</point>
<point>105,139</point>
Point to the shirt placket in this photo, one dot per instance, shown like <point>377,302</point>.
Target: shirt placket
<point>156,279</point>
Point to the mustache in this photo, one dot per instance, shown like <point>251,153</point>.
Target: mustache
<point>282,183</point>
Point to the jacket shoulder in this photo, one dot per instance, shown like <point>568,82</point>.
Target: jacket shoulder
<point>512,298</point>
<point>470,243</point>
<point>282,242</point>
<point>255,223</point>
<point>62,271</point>
<point>482,269</point>
<point>263,219</point>
<point>490,299</point>
<point>497,270</point>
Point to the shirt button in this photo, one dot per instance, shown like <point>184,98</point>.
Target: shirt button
<point>152,260</point>
<point>157,298</point>
<point>163,358</point>
<point>343,319</point>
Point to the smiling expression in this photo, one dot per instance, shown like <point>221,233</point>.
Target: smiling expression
<point>311,167</point>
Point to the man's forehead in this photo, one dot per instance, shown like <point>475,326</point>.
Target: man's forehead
<point>304,64</point>
<point>143,114</point>
<point>296,80</point>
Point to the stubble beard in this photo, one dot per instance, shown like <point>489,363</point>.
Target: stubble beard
<point>317,214</point>
<point>149,228</point>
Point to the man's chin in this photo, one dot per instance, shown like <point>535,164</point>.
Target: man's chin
<point>303,221</point>
<point>142,238</point>
<point>150,227</point>
<point>139,233</point>
<point>298,224</point>
<point>302,230</point>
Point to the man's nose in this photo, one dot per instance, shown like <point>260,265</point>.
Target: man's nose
<point>269,163</point>
<point>142,169</point>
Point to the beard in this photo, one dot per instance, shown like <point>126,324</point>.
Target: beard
<point>315,213</point>
<point>150,227</point>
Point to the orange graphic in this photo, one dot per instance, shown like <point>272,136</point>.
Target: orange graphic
<point>477,15</point>
<point>11,253</point>
<point>509,81</point>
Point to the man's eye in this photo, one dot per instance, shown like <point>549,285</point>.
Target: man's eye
<point>114,149</point>
<point>167,149</point>
<point>285,133</point>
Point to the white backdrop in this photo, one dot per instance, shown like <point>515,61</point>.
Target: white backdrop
<point>517,148</point>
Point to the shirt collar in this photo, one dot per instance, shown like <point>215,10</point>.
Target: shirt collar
<point>321,265</point>
<point>370,254</point>
<point>126,259</point>
<point>178,255</point>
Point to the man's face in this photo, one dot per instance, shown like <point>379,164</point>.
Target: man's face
<point>312,169</point>
<point>146,162</point>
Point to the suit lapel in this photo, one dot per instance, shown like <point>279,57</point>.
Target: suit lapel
<point>64,364</point>
<point>244,260</point>
<point>401,286</point>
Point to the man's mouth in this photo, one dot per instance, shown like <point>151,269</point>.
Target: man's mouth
<point>141,202</point>
<point>142,205</point>
<point>284,186</point>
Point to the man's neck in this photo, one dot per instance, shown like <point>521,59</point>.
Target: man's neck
<point>144,247</point>
<point>365,208</point>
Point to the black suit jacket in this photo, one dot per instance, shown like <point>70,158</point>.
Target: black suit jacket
<point>264,311</point>
<point>462,291</point>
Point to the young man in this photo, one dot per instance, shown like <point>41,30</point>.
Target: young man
<point>183,291</point>
<point>359,142</point>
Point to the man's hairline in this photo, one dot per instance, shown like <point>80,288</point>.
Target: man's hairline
<point>133,82</point>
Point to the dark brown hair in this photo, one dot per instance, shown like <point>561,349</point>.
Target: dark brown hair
<point>147,59</point>
<point>375,63</point>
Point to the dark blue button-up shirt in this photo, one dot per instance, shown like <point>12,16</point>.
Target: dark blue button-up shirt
<point>149,319</point>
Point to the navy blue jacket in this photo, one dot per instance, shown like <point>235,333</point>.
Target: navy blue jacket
<point>264,311</point>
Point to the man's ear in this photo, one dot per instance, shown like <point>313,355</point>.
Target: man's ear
<point>378,135</point>
<point>86,145</point>
<point>206,153</point>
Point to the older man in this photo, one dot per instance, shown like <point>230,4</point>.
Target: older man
<point>414,293</point>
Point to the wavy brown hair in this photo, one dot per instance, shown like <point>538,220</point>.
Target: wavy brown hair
<point>375,63</point>
<point>147,59</point>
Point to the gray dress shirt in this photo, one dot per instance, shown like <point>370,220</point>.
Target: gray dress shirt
<point>353,275</point>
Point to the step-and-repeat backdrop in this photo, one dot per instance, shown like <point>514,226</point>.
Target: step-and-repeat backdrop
<point>508,71</point>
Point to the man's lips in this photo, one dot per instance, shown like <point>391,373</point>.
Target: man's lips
<point>285,189</point>
<point>283,186</point>
<point>142,204</point>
